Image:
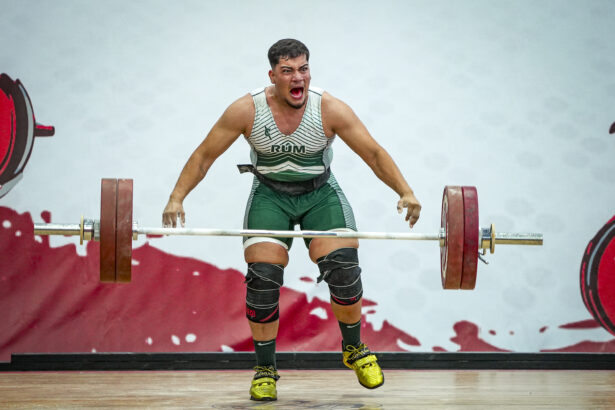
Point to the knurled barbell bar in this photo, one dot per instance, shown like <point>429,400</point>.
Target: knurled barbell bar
<point>460,236</point>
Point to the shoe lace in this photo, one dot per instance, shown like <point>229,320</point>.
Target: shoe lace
<point>357,353</point>
<point>266,371</point>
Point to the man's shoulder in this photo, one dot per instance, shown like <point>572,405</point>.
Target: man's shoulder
<point>241,109</point>
<point>329,102</point>
<point>257,91</point>
<point>317,90</point>
<point>336,113</point>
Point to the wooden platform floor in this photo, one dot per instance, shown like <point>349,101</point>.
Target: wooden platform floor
<point>328,389</point>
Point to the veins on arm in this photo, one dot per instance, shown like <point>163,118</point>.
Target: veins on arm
<point>342,120</point>
<point>233,122</point>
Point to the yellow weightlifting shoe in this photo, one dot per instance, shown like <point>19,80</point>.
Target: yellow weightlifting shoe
<point>263,384</point>
<point>364,364</point>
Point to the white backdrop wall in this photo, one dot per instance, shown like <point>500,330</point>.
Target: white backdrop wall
<point>514,97</point>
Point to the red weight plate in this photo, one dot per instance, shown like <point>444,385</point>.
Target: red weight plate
<point>7,129</point>
<point>108,205</point>
<point>589,274</point>
<point>585,277</point>
<point>598,271</point>
<point>470,237</point>
<point>123,239</point>
<point>28,126</point>
<point>22,123</point>
<point>451,254</point>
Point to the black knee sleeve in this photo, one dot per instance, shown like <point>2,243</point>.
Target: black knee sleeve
<point>263,283</point>
<point>340,269</point>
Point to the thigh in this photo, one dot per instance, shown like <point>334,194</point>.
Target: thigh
<point>266,252</point>
<point>331,211</point>
<point>320,247</point>
<point>264,211</point>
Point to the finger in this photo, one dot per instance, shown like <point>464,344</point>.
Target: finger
<point>409,213</point>
<point>400,206</point>
<point>415,217</point>
<point>166,220</point>
<point>182,215</point>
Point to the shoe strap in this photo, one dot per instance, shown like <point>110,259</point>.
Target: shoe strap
<point>266,371</point>
<point>357,353</point>
<point>261,381</point>
<point>366,360</point>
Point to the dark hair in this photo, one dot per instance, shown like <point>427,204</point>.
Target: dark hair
<point>287,48</point>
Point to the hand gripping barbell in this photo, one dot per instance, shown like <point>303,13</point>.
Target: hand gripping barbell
<point>460,236</point>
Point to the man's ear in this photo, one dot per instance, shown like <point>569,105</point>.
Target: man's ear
<point>271,77</point>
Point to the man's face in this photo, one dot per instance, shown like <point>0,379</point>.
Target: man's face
<point>291,77</point>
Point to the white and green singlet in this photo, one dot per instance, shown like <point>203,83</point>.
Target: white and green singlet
<point>301,156</point>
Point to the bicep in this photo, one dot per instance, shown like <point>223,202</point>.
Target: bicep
<point>225,131</point>
<point>353,132</point>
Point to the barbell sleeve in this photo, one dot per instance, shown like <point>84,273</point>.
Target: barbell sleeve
<point>508,238</point>
<point>56,229</point>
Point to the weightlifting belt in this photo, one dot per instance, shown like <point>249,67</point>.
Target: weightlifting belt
<point>289,188</point>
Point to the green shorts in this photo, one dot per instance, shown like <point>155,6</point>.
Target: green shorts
<point>324,209</point>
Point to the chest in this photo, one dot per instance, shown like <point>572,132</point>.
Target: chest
<point>287,123</point>
<point>299,135</point>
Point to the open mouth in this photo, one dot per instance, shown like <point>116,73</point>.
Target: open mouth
<point>296,92</point>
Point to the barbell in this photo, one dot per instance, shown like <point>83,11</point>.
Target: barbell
<point>460,237</point>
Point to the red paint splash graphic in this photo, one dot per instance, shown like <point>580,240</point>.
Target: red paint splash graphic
<point>584,324</point>
<point>52,302</point>
<point>466,336</point>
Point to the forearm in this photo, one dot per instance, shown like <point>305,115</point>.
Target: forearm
<point>226,130</point>
<point>387,171</point>
<point>193,172</point>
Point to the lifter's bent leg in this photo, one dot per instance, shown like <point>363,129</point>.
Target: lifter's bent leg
<point>320,247</point>
<point>265,252</point>
<point>338,263</point>
<point>266,262</point>
<point>347,312</point>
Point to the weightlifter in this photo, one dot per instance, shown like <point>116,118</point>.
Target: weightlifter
<point>290,127</point>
